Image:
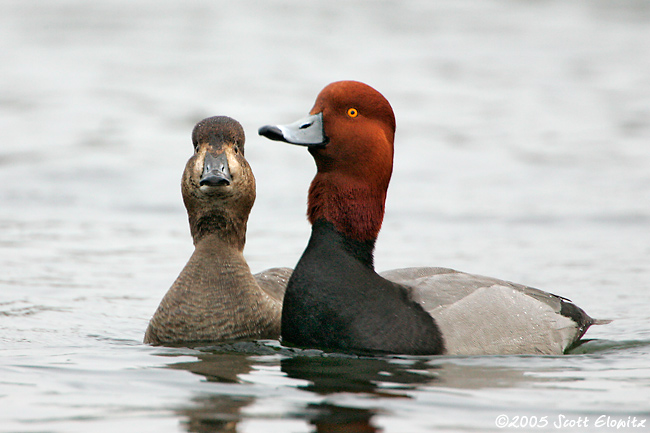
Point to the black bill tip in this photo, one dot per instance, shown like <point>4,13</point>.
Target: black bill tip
<point>214,179</point>
<point>271,132</point>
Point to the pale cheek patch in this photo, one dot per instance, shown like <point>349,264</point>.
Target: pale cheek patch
<point>233,165</point>
<point>198,162</point>
<point>197,170</point>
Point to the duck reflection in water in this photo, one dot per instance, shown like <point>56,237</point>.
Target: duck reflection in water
<point>375,376</point>
<point>343,374</point>
<point>226,364</point>
<point>372,383</point>
<point>330,418</point>
<point>216,412</point>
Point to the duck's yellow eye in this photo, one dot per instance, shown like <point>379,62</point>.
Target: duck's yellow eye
<point>352,112</point>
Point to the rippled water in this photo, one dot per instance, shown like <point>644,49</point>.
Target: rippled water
<point>522,153</point>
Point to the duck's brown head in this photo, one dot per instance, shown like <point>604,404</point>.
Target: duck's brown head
<point>350,133</point>
<point>218,184</point>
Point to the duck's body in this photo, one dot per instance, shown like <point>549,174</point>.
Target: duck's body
<point>335,299</point>
<point>512,318</point>
<point>215,297</point>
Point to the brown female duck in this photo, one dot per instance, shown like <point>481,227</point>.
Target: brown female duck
<point>215,297</point>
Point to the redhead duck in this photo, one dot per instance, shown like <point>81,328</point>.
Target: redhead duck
<point>335,299</point>
<point>215,297</point>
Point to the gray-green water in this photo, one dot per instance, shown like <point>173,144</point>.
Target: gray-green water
<point>522,153</point>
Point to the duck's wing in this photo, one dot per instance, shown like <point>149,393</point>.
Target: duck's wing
<point>274,281</point>
<point>438,287</point>
<point>483,315</point>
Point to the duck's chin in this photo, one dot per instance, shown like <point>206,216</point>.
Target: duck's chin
<point>213,190</point>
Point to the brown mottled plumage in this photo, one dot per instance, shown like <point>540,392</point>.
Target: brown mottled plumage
<point>215,297</point>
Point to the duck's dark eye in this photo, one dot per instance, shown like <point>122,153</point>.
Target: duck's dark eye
<point>236,150</point>
<point>352,112</point>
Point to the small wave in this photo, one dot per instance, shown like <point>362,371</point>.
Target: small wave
<point>22,309</point>
<point>600,346</point>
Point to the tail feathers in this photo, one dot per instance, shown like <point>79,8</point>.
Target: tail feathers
<point>601,321</point>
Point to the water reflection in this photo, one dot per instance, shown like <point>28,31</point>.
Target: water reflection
<point>331,418</point>
<point>347,392</point>
<point>216,412</point>
<point>332,375</point>
<point>218,367</point>
<point>320,374</point>
<point>327,375</point>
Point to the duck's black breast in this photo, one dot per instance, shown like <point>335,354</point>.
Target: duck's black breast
<point>335,300</point>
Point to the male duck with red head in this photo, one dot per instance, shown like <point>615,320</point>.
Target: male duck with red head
<point>335,300</point>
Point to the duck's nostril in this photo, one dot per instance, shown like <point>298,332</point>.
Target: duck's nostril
<point>304,132</point>
<point>215,171</point>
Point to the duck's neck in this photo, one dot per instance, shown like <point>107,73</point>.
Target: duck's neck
<point>325,233</point>
<point>223,268</point>
<point>219,224</point>
<point>355,209</point>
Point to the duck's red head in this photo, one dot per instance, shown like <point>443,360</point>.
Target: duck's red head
<point>350,134</point>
